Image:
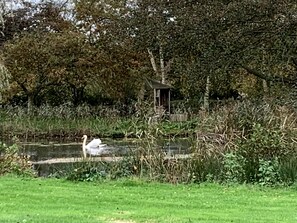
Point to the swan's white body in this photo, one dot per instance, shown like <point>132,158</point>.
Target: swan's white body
<point>94,148</point>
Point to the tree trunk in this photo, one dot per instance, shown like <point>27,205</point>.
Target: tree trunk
<point>4,79</point>
<point>140,96</point>
<point>153,61</point>
<point>265,87</point>
<point>30,103</point>
<point>162,66</point>
<point>206,94</point>
<point>77,95</point>
<point>2,8</point>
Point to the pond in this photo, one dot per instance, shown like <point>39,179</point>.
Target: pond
<point>44,150</point>
<point>47,150</point>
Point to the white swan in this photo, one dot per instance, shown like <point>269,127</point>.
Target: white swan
<point>94,148</point>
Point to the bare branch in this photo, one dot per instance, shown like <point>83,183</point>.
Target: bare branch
<point>270,77</point>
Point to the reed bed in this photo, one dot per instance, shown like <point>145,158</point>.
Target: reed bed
<point>240,142</point>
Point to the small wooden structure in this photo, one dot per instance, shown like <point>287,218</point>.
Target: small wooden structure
<point>161,96</point>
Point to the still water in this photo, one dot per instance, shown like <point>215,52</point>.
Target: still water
<point>44,150</point>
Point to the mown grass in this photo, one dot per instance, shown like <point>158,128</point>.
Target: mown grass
<point>129,201</point>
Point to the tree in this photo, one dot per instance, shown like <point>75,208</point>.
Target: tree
<point>33,38</point>
<point>31,17</point>
<point>153,27</point>
<point>105,23</point>
<point>73,62</point>
<point>263,37</point>
<point>4,80</point>
<point>107,47</point>
<point>28,61</point>
<point>216,38</point>
<point>4,74</point>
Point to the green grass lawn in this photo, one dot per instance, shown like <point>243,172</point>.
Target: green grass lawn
<point>129,201</point>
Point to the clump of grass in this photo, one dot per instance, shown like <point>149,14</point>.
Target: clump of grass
<point>262,138</point>
<point>13,161</point>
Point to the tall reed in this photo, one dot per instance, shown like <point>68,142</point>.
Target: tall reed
<point>240,142</point>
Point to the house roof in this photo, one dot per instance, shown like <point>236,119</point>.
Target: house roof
<point>154,84</point>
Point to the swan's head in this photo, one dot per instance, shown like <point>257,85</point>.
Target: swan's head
<point>84,137</point>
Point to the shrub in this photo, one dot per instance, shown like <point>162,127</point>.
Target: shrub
<point>233,168</point>
<point>96,171</point>
<point>13,161</point>
<point>269,172</point>
<point>87,172</point>
<point>261,144</point>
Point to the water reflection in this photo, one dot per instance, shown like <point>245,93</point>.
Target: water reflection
<point>51,150</point>
<point>44,150</point>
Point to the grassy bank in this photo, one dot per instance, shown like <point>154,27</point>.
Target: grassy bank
<point>71,126</point>
<point>129,201</point>
<point>231,120</point>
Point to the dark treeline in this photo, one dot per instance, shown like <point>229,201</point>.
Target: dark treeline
<point>100,52</point>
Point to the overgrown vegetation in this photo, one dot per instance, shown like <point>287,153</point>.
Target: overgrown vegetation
<point>66,121</point>
<point>13,161</point>
<point>242,142</point>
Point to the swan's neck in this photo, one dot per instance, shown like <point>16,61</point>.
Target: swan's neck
<point>84,147</point>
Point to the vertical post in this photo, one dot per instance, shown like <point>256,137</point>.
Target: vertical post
<point>169,101</point>
<point>206,94</point>
<point>155,100</point>
<point>159,96</point>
